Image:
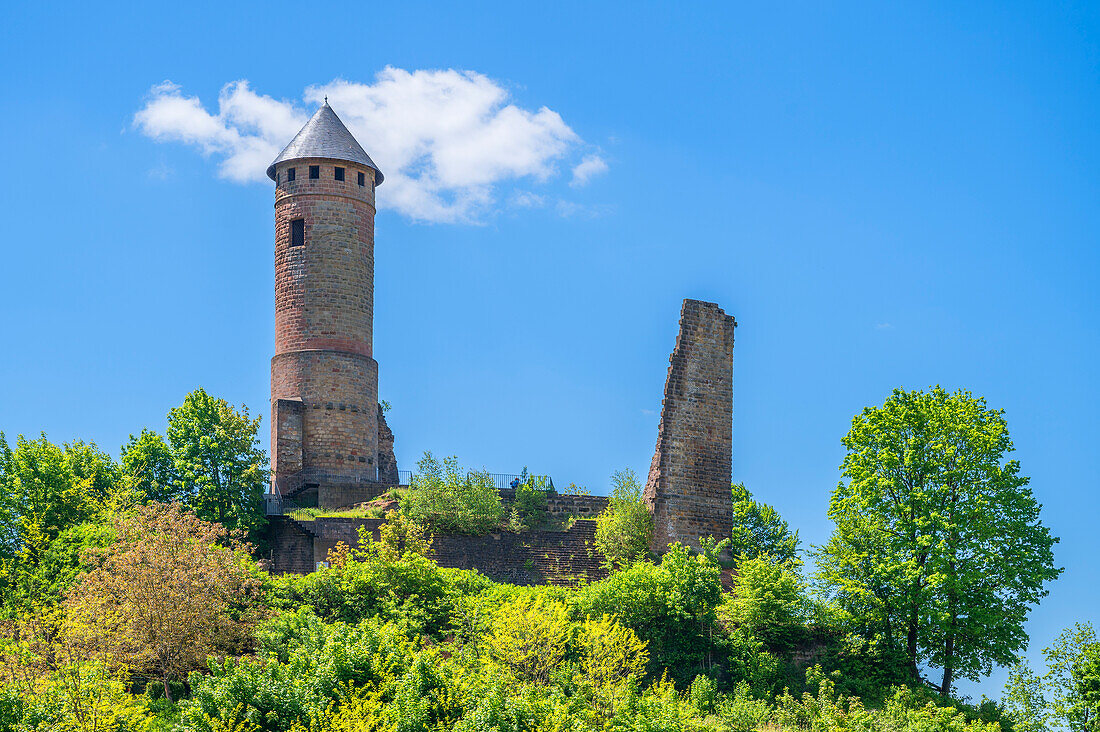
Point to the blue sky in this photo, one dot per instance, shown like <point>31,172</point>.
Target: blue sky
<point>882,196</point>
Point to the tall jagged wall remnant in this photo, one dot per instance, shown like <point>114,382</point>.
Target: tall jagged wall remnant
<point>688,488</point>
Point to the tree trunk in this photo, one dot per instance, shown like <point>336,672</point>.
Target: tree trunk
<point>167,691</point>
<point>948,663</point>
<point>911,645</point>
<point>952,601</point>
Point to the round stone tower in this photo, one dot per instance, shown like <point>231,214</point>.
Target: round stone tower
<point>324,379</point>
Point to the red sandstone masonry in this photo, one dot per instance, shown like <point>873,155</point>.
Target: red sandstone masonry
<point>688,488</point>
<point>324,311</point>
<point>528,558</point>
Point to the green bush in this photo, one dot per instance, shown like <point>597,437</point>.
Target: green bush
<point>75,697</point>
<point>671,606</point>
<point>444,497</point>
<point>11,709</point>
<point>625,528</point>
<point>768,600</point>
<point>530,502</point>
<point>748,662</point>
<point>319,666</point>
<point>742,711</point>
<point>376,582</point>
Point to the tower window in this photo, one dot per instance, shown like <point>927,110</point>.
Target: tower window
<point>362,179</point>
<point>290,174</point>
<point>314,172</point>
<point>339,173</point>
<point>297,232</point>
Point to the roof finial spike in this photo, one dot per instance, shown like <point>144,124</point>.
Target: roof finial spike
<point>326,99</point>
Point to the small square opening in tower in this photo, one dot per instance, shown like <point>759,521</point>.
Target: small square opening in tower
<point>314,172</point>
<point>297,232</point>
<point>339,173</point>
<point>362,178</point>
<point>290,174</point>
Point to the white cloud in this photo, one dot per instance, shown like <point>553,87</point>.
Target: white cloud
<point>527,199</point>
<point>585,170</point>
<point>445,139</point>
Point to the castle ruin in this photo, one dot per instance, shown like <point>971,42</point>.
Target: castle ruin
<point>330,444</point>
<point>688,489</point>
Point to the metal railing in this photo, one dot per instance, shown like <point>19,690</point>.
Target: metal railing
<point>276,505</point>
<point>509,481</point>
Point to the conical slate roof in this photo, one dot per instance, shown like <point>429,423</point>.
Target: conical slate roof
<point>325,136</point>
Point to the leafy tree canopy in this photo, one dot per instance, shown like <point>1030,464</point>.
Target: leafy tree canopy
<point>215,457</point>
<point>165,594</point>
<point>149,469</point>
<point>759,529</point>
<point>938,542</point>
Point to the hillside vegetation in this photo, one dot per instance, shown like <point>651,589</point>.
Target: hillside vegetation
<point>133,599</point>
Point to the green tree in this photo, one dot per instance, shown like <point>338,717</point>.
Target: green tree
<point>1068,695</point>
<point>768,598</point>
<point>149,469</point>
<point>216,457</point>
<point>9,509</point>
<point>94,471</point>
<point>170,590</point>
<point>938,538</point>
<point>1024,700</point>
<point>625,528</point>
<point>53,501</point>
<point>445,497</point>
<point>1073,678</point>
<point>48,493</point>
<point>759,529</point>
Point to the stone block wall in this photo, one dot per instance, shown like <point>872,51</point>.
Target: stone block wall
<point>688,488</point>
<point>292,549</point>
<point>324,290</point>
<point>387,461</point>
<point>287,428</point>
<point>528,558</point>
<point>584,507</point>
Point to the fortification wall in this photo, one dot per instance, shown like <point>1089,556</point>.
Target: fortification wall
<point>688,488</point>
<point>528,558</point>
<point>586,507</point>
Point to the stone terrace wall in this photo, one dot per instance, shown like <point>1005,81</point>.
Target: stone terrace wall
<point>558,505</point>
<point>528,558</point>
<point>688,488</point>
<point>292,546</point>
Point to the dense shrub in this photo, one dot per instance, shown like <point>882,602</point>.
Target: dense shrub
<point>379,580</point>
<point>530,635</point>
<point>768,600</point>
<point>75,697</point>
<point>671,606</point>
<point>445,497</point>
<point>530,502</point>
<point>625,528</point>
<point>274,695</point>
